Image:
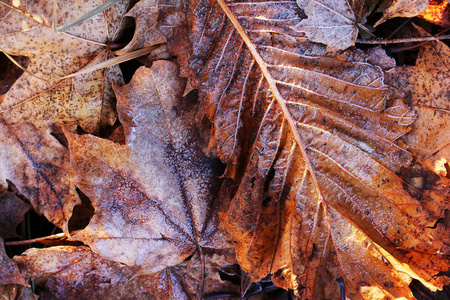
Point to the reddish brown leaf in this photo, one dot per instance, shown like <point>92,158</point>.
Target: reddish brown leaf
<point>12,210</point>
<point>154,196</point>
<point>9,272</point>
<point>320,198</point>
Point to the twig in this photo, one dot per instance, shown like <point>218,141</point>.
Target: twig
<point>36,240</point>
<point>393,50</point>
<point>404,40</point>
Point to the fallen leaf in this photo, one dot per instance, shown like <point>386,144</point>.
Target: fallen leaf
<point>438,13</point>
<point>154,196</point>
<point>146,14</point>
<point>12,210</point>
<point>427,88</point>
<point>86,99</point>
<point>78,273</point>
<point>38,165</point>
<point>403,9</point>
<point>334,23</point>
<point>9,272</point>
<point>320,198</point>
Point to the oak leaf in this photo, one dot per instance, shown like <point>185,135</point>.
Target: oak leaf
<point>154,196</point>
<point>320,198</point>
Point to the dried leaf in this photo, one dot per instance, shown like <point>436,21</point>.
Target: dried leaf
<point>78,273</point>
<point>12,210</point>
<point>153,197</point>
<point>9,272</point>
<point>85,100</point>
<point>438,14</point>
<point>403,9</point>
<point>38,165</point>
<point>334,23</point>
<point>320,198</point>
<point>145,13</point>
<point>427,87</point>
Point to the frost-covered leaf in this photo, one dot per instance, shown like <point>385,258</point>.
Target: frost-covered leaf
<point>154,196</point>
<point>404,9</point>
<point>317,138</point>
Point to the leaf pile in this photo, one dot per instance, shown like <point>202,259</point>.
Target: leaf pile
<point>333,179</point>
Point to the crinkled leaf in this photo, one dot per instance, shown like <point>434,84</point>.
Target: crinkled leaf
<point>38,165</point>
<point>154,196</point>
<point>438,14</point>
<point>320,198</point>
<point>12,210</point>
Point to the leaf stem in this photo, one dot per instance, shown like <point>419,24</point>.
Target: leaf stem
<point>36,240</point>
<point>404,40</point>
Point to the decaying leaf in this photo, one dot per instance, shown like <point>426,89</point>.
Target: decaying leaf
<point>79,273</point>
<point>320,198</point>
<point>334,23</point>
<point>404,9</point>
<point>9,272</point>
<point>86,100</point>
<point>427,86</point>
<point>12,210</point>
<point>154,196</point>
<point>39,167</point>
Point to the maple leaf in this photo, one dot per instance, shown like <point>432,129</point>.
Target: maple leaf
<point>154,196</point>
<point>427,86</point>
<point>67,272</point>
<point>320,198</point>
<point>12,210</point>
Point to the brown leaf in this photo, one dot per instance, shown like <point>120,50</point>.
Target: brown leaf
<point>9,272</point>
<point>38,165</point>
<point>320,198</point>
<point>145,13</point>
<point>403,9</point>
<point>12,210</point>
<point>154,196</point>
<point>79,273</point>
<point>86,99</point>
<point>427,88</point>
